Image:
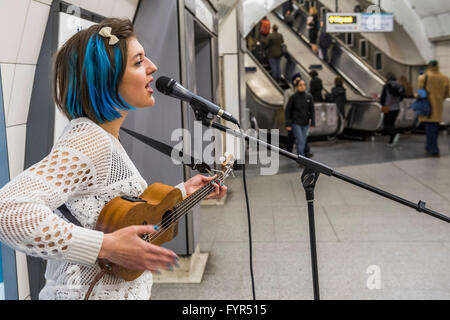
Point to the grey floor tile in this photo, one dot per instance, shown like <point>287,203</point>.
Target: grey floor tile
<point>357,231</point>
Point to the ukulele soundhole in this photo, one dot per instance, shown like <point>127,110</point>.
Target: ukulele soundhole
<point>168,220</point>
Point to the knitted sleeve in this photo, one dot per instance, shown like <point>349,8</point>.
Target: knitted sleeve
<point>79,162</point>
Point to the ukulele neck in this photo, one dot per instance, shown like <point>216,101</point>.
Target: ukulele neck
<point>194,198</point>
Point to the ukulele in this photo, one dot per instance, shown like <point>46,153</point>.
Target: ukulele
<point>160,205</point>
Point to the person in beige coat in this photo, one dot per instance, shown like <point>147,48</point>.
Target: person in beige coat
<point>437,86</point>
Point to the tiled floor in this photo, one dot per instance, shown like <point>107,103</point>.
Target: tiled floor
<point>357,231</point>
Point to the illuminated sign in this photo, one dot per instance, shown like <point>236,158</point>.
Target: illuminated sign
<point>342,19</point>
<point>359,22</point>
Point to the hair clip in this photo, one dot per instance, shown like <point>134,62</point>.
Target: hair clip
<point>105,32</point>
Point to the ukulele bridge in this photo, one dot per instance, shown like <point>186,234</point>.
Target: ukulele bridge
<point>133,199</point>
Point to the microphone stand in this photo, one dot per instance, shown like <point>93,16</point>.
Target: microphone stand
<point>308,179</point>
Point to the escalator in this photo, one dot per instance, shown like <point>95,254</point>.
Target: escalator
<point>265,99</point>
<point>362,113</point>
<point>363,84</point>
<point>363,78</point>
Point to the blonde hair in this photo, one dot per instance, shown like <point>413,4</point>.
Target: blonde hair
<point>313,10</point>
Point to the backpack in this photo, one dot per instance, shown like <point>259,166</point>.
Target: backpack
<point>265,27</point>
<point>422,105</point>
<point>325,40</point>
<point>396,89</point>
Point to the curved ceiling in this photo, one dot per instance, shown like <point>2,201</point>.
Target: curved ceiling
<point>435,16</point>
<point>424,21</point>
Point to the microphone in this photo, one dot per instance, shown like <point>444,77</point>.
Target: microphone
<point>172,88</point>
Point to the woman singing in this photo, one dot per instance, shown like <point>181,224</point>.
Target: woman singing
<point>100,75</point>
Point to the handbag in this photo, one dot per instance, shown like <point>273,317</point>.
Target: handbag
<point>283,50</point>
<point>421,105</point>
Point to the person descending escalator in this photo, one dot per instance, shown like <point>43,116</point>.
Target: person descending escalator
<point>391,96</point>
<point>325,42</point>
<point>338,95</point>
<point>316,86</point>
<point>289,18</point>
<point>274,43</point>
<point>313,26</point>
<point>260,53</point>
<point>287,6</point>
<point>264,29</point>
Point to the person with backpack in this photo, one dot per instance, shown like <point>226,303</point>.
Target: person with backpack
<point>325,42</point>
<point>316,86</point>
<point>264,29</point>
<point>338,95</point>
<point>437,87</point>
<point>390,99</point>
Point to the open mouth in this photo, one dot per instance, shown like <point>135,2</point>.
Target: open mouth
<point>148,87</point>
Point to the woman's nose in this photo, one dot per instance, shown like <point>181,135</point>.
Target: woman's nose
<point>151,67</point>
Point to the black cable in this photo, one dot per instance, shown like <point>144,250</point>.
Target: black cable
<point>249,223</point>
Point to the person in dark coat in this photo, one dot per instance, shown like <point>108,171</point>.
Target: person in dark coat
<point>289,18</point>
<point>325,42</point>
<point>315,86</point>
<point>339,96</point>
<point>313,26</point>
<point>287,95</point>
<point>390,99</point>
<point>287,6</point>
<point>274,42</point>
<point>299,115</point>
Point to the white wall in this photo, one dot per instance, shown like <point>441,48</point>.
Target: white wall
<point>406,16</point>
<point>22,27</point>
<point>229,51</point>
<point>443,56</point>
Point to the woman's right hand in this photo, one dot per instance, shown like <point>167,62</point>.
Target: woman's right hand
<point>288,128</point>
<point>126,248</point>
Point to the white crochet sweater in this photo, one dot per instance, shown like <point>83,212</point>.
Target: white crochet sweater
<point>85,169</point>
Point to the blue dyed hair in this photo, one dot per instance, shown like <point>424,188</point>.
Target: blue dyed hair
<point>88,70</point>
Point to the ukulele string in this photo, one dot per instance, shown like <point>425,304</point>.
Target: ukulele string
<point>187,202</point>
<point>178,215</point>
<point>184,207</point>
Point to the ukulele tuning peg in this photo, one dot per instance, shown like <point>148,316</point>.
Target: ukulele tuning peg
<point>222,159</point>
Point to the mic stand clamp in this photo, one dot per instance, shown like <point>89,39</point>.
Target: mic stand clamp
<point>203,115</point>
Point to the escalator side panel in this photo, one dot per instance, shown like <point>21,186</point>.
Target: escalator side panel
<point>355,73</point>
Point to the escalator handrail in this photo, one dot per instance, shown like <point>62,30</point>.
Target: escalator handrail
<point>268,75</point>
<point>375,46</point>
<point>266,104</point>
<point>361,62</point>
<point>350,82</point>
<point>303,38</point>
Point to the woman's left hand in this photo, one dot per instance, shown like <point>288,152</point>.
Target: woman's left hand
<point>198,181</point>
